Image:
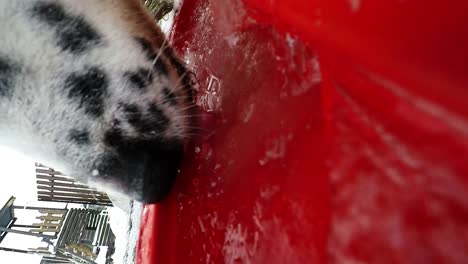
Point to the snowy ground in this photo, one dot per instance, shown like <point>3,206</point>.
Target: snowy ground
<point>126,226</point>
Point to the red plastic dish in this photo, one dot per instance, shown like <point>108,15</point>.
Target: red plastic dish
<point>339,135</point>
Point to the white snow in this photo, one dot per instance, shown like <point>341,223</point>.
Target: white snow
<point>167,22</point>
<point>126,226</point>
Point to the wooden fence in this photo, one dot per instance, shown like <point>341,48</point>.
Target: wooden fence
<point>53,186</point>
<point>50,221</point>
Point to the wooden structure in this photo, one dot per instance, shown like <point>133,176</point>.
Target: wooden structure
<point>85,231</point>
<point>51,221</point>
<point>53,186</point>
<point>7,218</point>
<point>72,235</point>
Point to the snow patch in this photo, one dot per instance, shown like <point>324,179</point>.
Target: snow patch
<point>125,226</point>
<point>167,22</point>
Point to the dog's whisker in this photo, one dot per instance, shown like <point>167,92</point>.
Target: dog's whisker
<point>193,127</point>
<point>192,135</point>
<point>194,115</point>
<point>188,107</point>
<point>158,55</point>
<point>181,37</point>
<point>177,98</point>
<point>178,84</point>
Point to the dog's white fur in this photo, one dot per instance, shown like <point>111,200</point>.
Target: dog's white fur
<point>38,115</point>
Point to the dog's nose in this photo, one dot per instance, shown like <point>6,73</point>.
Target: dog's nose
<point>146,170</point>
<point>160,172</point>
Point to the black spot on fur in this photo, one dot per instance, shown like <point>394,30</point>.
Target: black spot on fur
<point>114,137</point>
<point>158,116</point>
<point>115,123</point>
<point>153,122</point>
<point>133,114</point>
<point>147,48</point>
<point>78,39</point>
<point>89,88</point>
<point>126,146</point>
<point>73,33</point>
<point>140,79</point>
<point>188,80</point>
<point>160,67</point>
<point>169,96</point>
<point>110,166</point>
<point>80,137</point>
<point>158,64</point>
<point>7,71</point>
<point>51,13</point>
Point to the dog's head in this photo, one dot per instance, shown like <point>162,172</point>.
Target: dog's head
<point>91,88</point>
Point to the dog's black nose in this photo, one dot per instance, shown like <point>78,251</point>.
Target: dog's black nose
<point>146,170</point>
<point>160,172</point>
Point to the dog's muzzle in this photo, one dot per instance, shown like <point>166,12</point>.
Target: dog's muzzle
<point>145,171</point>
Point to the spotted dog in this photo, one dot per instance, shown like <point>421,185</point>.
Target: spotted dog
<point>91,88</point>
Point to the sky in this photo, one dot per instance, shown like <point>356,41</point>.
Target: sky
<point>18,179</point>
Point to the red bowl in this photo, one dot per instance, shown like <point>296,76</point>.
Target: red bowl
<point>338,134</point>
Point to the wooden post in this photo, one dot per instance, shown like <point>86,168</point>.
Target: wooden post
<point>16,250</point>
<point>8,230</point>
